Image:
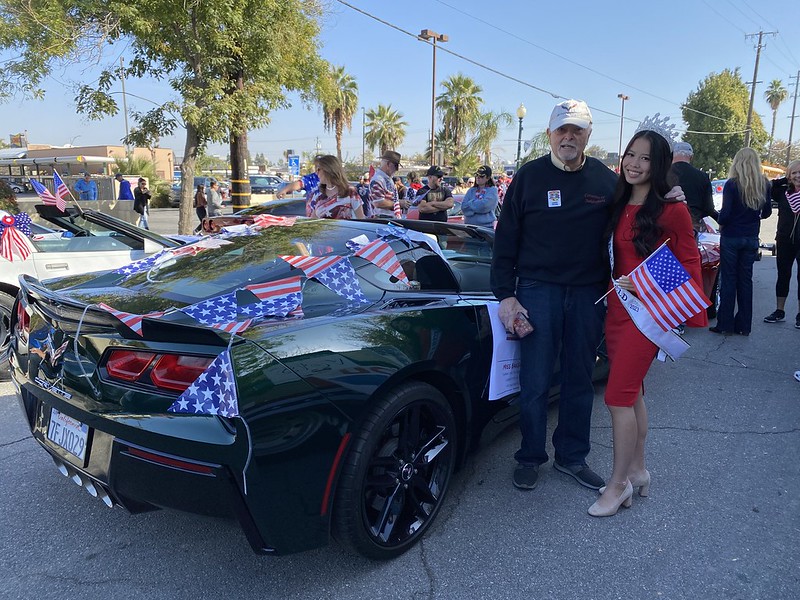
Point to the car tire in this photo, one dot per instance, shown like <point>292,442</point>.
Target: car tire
<point>711,311</point>
<point>396,474</point>
<point>6,306</point>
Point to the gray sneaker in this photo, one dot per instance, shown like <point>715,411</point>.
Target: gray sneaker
<point>582,474</point>
<point>526,477</point>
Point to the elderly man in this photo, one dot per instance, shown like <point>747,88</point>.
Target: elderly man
<point>86,188</point>
<point>695,183</point>
<point>550,266</point>
<point>382,191</point>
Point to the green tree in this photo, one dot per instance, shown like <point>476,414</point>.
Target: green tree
<point>539,146</point>
<point>384,128</point>
<point>339,104</point>
<point>228,63</point>
<point>716,115</point>
<point>774,95</point>
<point>459,108</point>
<point>487,128</point>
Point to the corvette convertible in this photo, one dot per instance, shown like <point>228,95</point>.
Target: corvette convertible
<point>321,378</point>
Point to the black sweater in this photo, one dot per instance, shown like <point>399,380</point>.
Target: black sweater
<point>788,225</point>
<point>553,225</point>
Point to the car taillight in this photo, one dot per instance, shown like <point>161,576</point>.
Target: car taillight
<point>23,325</point>
<point>128,365</point>
<point>175,372</point>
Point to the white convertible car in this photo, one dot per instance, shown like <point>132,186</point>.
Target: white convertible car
<point>81,242</point>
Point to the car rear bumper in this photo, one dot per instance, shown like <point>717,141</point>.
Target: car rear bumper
<point>139,476</point>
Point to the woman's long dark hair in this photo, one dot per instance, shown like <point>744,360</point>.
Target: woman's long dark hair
<point>646,228</point>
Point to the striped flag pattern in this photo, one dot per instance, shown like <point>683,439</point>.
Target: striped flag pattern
<point>667,290</point>
<point>270,220</point>
<point>312,265</point>
<point>379,253</point>
<point>233,326</point>
<point>276,298</point>
<point>47,196</point>
<point>132,321</point>
<point>62,191</point>
<point>794,201</point>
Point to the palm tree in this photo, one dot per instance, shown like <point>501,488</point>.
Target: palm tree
<point>384,128</point>
<point>774,95</point>
<point>487,129</point>
<point>459,107</point>
<point>340,105</point>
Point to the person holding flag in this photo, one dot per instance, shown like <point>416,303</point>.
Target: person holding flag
<point>654,292</point>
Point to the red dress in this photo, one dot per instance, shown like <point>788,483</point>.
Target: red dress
<point>630,353</point>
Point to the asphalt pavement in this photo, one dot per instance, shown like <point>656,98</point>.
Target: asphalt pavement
<point>722,520</point>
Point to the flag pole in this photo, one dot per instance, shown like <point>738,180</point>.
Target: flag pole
<point>637,266</point>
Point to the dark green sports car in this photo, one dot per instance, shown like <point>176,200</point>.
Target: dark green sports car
<point>324,377</point>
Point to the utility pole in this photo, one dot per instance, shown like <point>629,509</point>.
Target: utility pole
<point>124,105</point>
<point>748,133</point>
<point>791,123</point>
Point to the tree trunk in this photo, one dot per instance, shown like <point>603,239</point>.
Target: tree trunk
<point>186,215</point>
<point>339,127</point>
<point>772,134</point>
<point>240,179</point>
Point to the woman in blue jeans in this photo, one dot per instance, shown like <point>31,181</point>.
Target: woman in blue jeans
<point>745,201</point>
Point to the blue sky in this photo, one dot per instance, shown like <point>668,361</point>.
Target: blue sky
<point>656,53</point>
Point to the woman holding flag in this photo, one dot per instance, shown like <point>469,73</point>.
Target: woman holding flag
<point>652,293</point>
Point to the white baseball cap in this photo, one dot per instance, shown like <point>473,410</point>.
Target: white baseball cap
<point>570,112</point>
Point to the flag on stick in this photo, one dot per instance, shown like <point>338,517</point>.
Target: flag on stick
<point>62,191</point>
<point>667,290</point>
<point>47,196</point>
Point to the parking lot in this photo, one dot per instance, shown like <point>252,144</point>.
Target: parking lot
<point>722,520</point>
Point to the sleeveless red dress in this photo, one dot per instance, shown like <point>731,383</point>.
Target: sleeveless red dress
<point>630,353</point>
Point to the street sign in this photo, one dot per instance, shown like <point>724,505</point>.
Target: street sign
<point>294,165</point>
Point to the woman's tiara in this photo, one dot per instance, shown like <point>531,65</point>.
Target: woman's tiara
<point>659,126</point>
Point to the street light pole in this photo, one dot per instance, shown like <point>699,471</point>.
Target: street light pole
<point>622,97</point>
<point>521,112</point>
<point>363,138</point>
<point>433,37</point>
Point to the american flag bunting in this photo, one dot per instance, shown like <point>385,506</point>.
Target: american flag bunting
<point>271,220</point>
<point>312,265</point>
<point>379,253</point>
<point>212,393</point>
<point>341,278</point>
<point>276,298</point>
<point>131,320</point>
<point>211,311</point>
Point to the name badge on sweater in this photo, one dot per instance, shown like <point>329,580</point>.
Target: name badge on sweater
<point>554,198</point>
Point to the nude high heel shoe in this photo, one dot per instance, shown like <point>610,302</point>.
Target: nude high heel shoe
<point>643,484</point>
<point>624,500</point>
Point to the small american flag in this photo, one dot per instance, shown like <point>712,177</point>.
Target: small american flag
<point>47,196</point>
<point>62,191</point>
<point>794,201</point>
<point>381,254</point>
<point>667,290</point>
<point>212,393</point>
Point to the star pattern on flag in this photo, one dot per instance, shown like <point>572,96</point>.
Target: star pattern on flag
<point>276,298</point>
<point>311,265</point>
<point>143,264</point>
<point>341,278</point>
<point>212,393</point>
<point>219,309</point>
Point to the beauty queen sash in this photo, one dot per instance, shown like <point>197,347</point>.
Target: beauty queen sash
<point>669,343</point>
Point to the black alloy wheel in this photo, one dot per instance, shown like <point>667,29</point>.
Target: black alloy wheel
<point>396,474</point>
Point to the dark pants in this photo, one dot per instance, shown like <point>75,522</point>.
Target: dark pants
<point>201,214</point>
<point>787,254</point>
<point>737,255</point>
<point>568,326</point>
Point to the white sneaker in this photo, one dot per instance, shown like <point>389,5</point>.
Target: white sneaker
<point>797,375</point>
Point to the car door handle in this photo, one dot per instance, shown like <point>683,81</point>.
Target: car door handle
<point>56,266</point>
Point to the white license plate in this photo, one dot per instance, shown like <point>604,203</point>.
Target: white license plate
<point>68,433</point>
